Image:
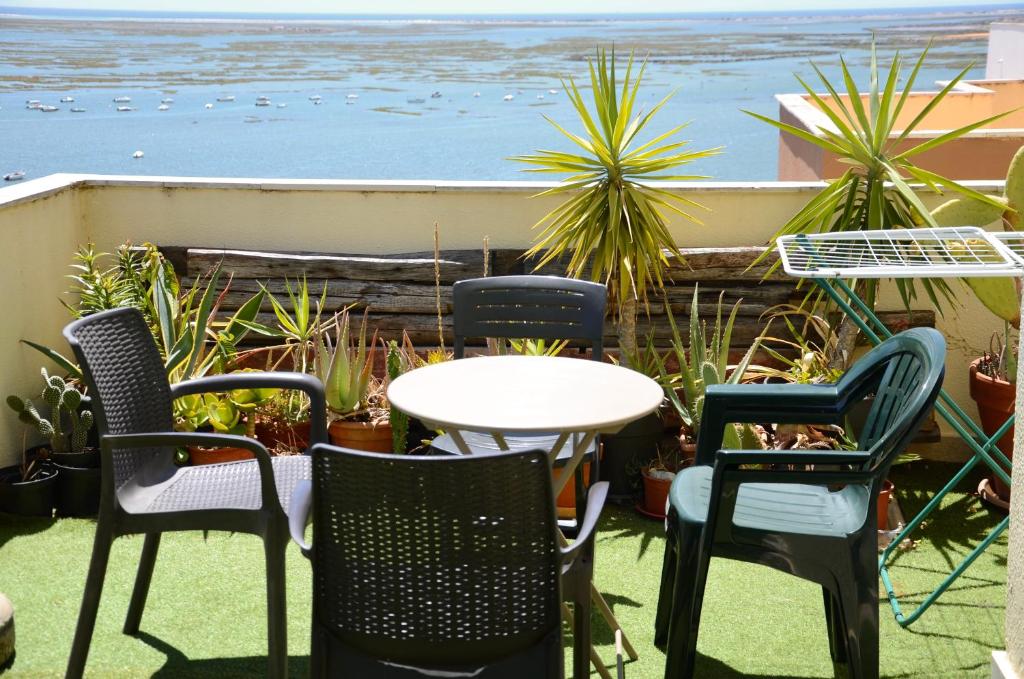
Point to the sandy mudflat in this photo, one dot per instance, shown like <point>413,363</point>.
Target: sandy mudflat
<point>54,54</point>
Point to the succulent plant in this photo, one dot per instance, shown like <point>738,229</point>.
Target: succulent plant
<point>345,366</point>
<point>396,364</point>
<point>62,398</point>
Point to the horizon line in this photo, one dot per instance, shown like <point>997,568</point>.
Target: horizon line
<point>959,4</point>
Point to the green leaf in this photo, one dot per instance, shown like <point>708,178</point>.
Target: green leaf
<point>66,364</point>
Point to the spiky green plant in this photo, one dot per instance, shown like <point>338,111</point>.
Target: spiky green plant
<point>703,363</point>
<point>873,192</point>
<point>1000,295</point>
<point>612,212</point>
<point>397,364</point>
<point>345,366</point>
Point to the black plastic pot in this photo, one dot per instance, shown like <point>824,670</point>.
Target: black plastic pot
<point>78,491</point>
<point>626,452</point>
<point>78,485</point>
<point>28,498</point>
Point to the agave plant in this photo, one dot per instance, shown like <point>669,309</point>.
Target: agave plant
<point>873,192</point>
<point>612,212</point>
<point>703,363</point>
<point>345,365</point>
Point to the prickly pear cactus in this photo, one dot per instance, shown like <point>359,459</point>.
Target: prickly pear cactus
<point>61,398</point>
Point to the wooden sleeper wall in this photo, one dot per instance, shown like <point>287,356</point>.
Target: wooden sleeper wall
<point>400,291</point>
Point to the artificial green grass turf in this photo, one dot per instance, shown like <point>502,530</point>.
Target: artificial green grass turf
<point>206,610</point>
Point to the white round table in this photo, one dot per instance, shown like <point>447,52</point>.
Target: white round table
<point>501,395</point>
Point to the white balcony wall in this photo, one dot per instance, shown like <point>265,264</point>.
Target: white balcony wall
<point>43,221</point>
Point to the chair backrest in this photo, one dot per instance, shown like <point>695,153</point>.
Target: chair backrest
<point>127,381</point>
<point>905,374</point>
<point>529,307</point>
<point>433,562</point>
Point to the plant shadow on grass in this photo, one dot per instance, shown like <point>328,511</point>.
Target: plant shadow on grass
<point>12,526</point>
<point>953,529</point>
<point>179,665</point>
<point>620,522</point>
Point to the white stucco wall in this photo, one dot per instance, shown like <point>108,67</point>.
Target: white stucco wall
<point>1005,51</point>
<point>43,221</point>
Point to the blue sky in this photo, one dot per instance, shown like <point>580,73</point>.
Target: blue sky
<point>479,7</point>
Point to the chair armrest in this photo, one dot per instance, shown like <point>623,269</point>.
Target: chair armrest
<point>595,504</point>
<point>728,473</point>
<point>185,438</point>
<point>725,404</point>
<point>298,514</point>
<point>737,457</point>
<point>309,384</point>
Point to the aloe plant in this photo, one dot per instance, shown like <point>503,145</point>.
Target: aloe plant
<point>705,362</point>
<point>345,366</point>
<point>613,215</point>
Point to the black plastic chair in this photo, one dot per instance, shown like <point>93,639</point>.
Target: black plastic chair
<point>144,492</point>
<point>797,521</point>
<point>527,307</point>
<point>441,566</point>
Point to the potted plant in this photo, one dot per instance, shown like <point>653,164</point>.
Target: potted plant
<point>867,136</point>
<point>27,489</point>
<point>284,420</point>
<point>354,396</point>
<point>657,480</point>
<point>78,479</point>
<point>613,222</point>
<point>626,452</point>
<point>233,412</point>
<point>993,376</point>
<point>701,364</point>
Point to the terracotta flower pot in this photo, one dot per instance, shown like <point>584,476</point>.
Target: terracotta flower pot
<point>884,497</point>
<point>567,498</point>
<point>655,493</point>
<point>279,434</point>
<point>995,400</point>
<point>361,435</point>
<point>199,456</point>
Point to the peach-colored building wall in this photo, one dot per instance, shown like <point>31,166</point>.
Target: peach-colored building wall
<point>982,154</point>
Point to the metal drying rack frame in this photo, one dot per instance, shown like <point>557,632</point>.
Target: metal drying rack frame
<point>960,252</point>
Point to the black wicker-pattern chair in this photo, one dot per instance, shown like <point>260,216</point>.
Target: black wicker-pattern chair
<point>441,566</point>
<point>144,492</point>
<point>527,307</point>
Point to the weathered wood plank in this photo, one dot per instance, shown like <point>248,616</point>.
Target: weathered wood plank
<point>379,296</point>
<point>698,264</point>
<point>454,265</point>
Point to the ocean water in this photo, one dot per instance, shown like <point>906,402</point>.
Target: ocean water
<point>416,97</point>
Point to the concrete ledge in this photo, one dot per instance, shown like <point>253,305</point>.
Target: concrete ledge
<point>1001,667</point>
<point>43,187</point>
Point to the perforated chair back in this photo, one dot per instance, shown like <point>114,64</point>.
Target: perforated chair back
<point>126,377</point>
<point>903,373</point>
<point>446,564</point>
<point>529,307</point>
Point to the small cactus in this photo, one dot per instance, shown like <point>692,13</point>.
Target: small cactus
<point>61,398</point>
<point>399,420</point>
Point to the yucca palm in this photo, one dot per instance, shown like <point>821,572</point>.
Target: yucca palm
<point>873,192</point>
<point>612,211</point>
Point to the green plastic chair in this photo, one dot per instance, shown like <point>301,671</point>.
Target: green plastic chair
<point>796,521</point>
